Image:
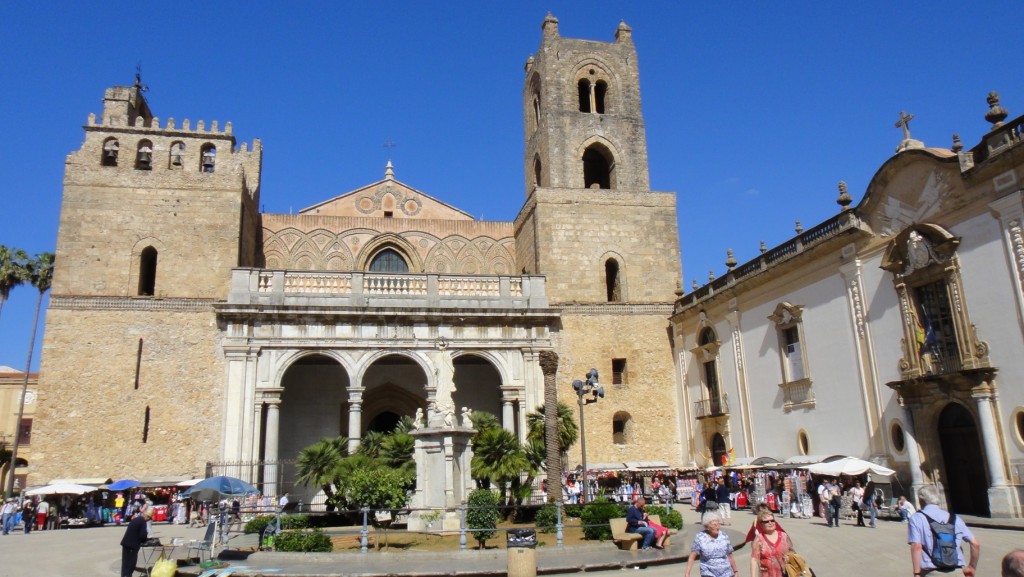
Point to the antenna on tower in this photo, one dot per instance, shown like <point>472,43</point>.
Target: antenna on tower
<point>138,78</point>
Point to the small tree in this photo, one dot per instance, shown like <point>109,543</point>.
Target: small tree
<point>482,517</point>
<point>380,489</point>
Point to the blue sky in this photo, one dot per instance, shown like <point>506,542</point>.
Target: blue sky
<point>754,110</point>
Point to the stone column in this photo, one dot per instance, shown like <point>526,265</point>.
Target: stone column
<point>553,460</point>
<point>355,418</point>
<point>508,414</point>
<point>273,401</point>
<point>989,437</point>
<point>916,478</point>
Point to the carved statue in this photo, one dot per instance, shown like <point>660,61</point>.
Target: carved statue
<point>467,422</point>
<point>417,421</point>
<point>444,409</point>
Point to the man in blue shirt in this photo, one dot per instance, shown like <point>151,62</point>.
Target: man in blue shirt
<point>635,523</point>
<point>919,535</point>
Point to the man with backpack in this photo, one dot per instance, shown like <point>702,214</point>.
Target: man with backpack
<point>935,536</point>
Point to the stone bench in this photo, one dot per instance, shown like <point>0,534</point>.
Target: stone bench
<point>630,541</point>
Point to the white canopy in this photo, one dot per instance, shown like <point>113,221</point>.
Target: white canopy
<point>848,466</point>
<point>189,483</point>
<point>61,489</point>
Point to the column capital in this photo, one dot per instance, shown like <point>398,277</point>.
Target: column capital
<point>270,395</point>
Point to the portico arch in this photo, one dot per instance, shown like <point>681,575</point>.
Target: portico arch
<point>314,389</point>
<point>477,384</point>
<point>394,386</point>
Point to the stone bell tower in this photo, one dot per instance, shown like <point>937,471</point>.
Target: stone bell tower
<point>154,216</point>
<point>608,245</point>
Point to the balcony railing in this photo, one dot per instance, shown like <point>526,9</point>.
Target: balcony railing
<point>705,408</point>
<point>251,286</point>
<point>797,394</point>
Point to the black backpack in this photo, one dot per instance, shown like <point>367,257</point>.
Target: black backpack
<point>944,547</point>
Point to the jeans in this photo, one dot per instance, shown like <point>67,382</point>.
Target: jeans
<point>8,523</point>
<point>833,513</point>
<point>874,514</point>
<point>648,534</point>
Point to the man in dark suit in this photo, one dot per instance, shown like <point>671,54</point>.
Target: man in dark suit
<point>134,536</point>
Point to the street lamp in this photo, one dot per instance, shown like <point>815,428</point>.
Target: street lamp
<point>583,389</point>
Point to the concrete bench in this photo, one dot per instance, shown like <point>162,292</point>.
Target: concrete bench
<point>630,541</point>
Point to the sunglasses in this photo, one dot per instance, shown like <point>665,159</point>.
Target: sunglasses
<point>766,521</point>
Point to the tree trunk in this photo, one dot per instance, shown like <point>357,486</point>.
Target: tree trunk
<point>553,461</point>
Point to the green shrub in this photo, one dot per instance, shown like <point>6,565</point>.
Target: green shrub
<point>482,518</point>
<point>672,519</point>
<point>305,541</point>
<point>572,511</point>
<point>594,519</point>
<point>257,524</point>
<point>546,518</point>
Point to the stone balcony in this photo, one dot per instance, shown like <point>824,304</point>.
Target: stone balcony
<point>253,286</point>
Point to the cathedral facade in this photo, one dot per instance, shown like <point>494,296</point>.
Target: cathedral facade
<point>186,328</point>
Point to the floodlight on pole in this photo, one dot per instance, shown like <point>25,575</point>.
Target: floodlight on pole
<point>586,392</point>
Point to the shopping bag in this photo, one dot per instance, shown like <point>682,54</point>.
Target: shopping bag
<point>164,568</point>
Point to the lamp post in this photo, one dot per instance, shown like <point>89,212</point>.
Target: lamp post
<point>583,389</point>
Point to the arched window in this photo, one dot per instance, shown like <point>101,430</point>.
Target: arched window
<point>622,428</point>
<point>583,87</point>
<point>612,283</point>
<point>536,171</point>
<point>110,149</point>
<point>598,167</point>
<point>707,337</point>
<point>388,260</point>
<point>144,155</point>
<point>177,159</point>
<point>208,155</point>
<point>536,110</point>
<point>147,272</point>
<point>600,89</point>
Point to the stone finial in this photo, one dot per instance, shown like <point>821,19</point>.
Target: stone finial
<point>764,247</point>
<point>550,25</point>
<point>695,286</point>
<point>799,228</point>
<point>711,276</point>
<point>679,288</point>
<point>623,33</point>
<point>957,145</point>
<point>529,64</point>
<point>844,199</point>
<point>389,172</point>
<point>730,260</point>
<point>996,114</point>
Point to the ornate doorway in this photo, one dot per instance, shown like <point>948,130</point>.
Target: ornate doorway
<point>966,482</point>
<point>718,450</point>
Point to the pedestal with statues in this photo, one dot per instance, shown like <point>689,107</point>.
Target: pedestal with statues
<point>442,454</point>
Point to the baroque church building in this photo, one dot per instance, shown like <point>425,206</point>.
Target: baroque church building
<point>189,333</point>
<point>891,332</point>
<point>186,328</point>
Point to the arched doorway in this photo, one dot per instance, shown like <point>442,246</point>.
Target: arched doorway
<point>477,385</point>
<point>395,388</point>
<point>313,403</point>
<point>718,450</point>
<point>965,481</point>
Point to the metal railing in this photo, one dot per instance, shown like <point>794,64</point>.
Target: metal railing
<point>711,407</point>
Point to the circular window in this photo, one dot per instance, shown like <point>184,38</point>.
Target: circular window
<point>899,441</point>
<point>1018,420</point>
<point>802,444</point>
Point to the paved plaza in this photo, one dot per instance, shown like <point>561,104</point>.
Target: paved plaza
<point>848,550</point>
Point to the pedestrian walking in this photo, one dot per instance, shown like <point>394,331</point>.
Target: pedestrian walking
<point>134,536</point>
<point>921,536</point>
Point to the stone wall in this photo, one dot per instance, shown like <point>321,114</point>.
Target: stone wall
<point>592,338</point>
<point>92,416</point>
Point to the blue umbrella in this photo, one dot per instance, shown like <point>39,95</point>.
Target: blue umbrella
<point>123,484</point>
<point>219,487</point>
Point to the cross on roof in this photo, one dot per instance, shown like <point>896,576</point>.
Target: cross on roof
<point>904,122</point>
<point>389,144</point>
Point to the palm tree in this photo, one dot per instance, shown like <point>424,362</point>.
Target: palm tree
<point>40,274</point>
<point>396,450</point>
<point>565,423</point>
<point>12,271</point>
<point>370,444</point>
<point>553,459</point>
<point>499,458</point>
<point>316,464</point>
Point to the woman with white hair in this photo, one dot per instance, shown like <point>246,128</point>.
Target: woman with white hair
<point>713,548</point>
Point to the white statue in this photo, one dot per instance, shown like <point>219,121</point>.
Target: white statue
<point>444,377</point>
<point>467,422</point>
<point>417,421</point>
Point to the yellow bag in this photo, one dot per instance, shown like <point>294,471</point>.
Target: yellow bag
<point>796,566</point>
<point>164,568</point>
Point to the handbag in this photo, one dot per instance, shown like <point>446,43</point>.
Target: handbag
<point>796,566</point>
